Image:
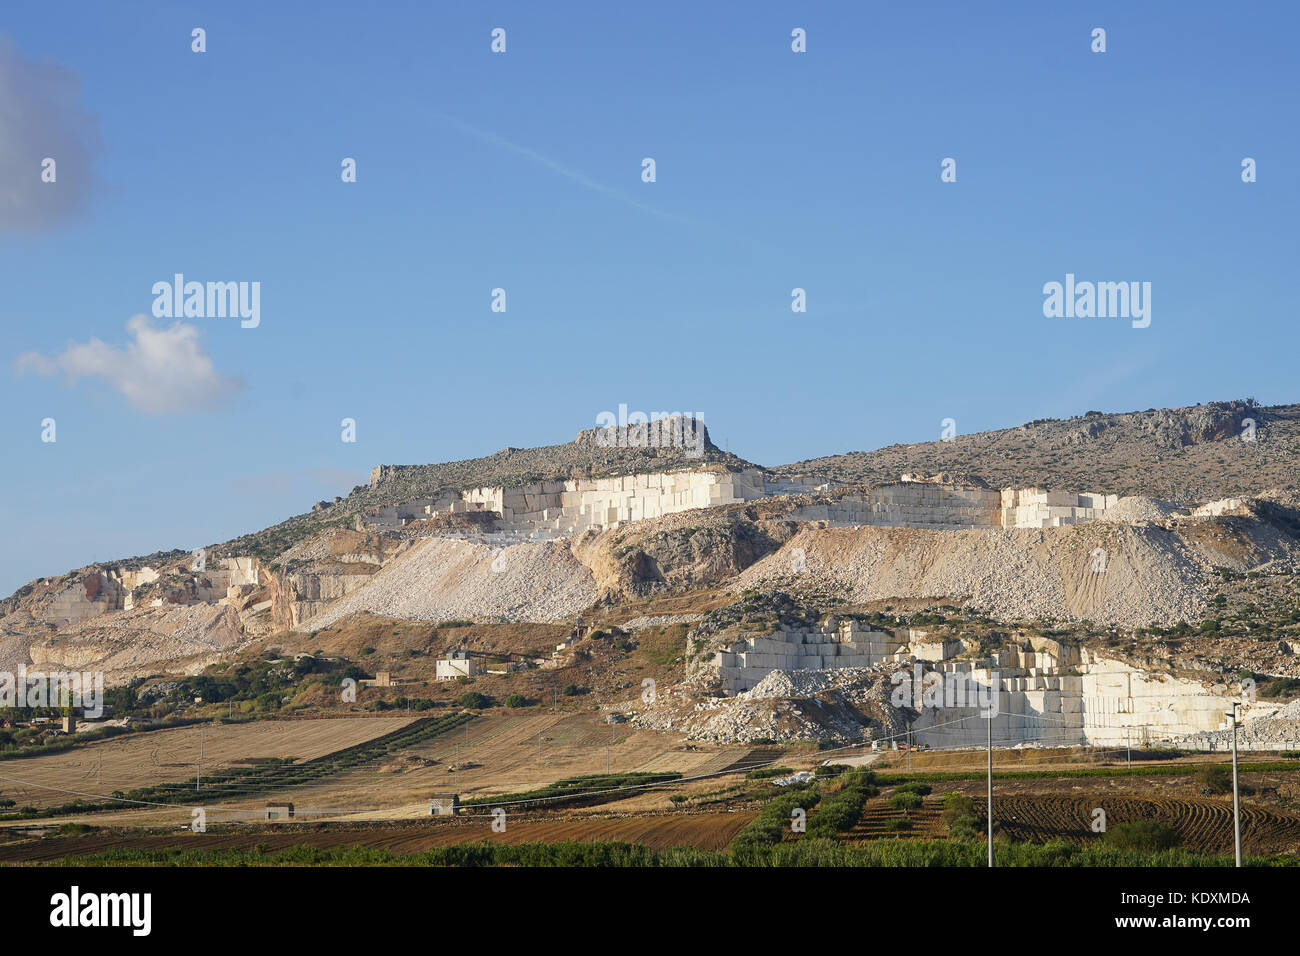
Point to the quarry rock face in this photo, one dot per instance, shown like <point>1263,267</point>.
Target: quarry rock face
<point>542,535</point>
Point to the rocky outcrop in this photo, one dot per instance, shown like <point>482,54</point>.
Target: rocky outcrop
<point>298,596</point>
<point>679,552</point>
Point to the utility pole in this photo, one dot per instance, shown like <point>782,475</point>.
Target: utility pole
<point>1236,795</point>
<point>198,775</point>
<point>990,726</point>
<point>1128,742</point>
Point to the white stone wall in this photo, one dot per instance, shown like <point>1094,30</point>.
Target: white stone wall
<point>575,505</point>
<point>1036,508</point>
<point>919,504</point>
<point>571,507</point>
<point>1098,701</point>
<point>831,646</point>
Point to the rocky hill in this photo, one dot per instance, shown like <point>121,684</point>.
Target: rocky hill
<point>1226,572</point>
<point>587,456</point>
<point>1194,453</point>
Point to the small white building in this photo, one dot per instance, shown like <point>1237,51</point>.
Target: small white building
<point>456,664</point>
<point>444,805</point>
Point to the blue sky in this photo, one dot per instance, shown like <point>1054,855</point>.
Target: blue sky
<point>522,170</point>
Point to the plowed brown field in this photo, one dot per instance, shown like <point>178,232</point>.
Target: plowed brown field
<point>657,831</point>
<point>1202,823</point>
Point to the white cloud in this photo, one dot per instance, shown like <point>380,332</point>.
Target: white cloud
<point>42,116</point>
<point>160,371</point>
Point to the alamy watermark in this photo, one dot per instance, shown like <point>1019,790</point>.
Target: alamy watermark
<point>179,299</point>
<point>683,430</point>
<point>919,689</point>
<point>36,689</point>
<point>1099,300</point>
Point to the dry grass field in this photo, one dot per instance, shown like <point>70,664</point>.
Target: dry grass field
<point>159,756</point>
<point>500,754</point>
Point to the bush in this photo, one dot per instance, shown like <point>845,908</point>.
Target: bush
<point>920,789</point>
<point>905,801</point>
<point>831,769</point>
<point>1146,835</point>
<point>1215,779</point>
<point>773,822</point>
<point>959,816</point>
<point>840,811</point>
<point>958,802</point>
<point>516,700</point>
<point>473,700</point>
<point>763,773</point>
<point>1281,687</point>
<point>571,690</point>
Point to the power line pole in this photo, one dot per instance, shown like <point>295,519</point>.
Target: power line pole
<point>1236,796</point>
<point>990,836</point>
<point>198,774</point>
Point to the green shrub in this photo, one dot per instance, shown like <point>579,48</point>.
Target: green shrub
<point>959,816</point>
<point>905,801</point>
<point>831,769</point>
<point>773,821</point>
<point>1281,687</point>
<point>473,700</point>
<point>840,811</point>
<point>763,773</point>
<point>1144,835</point>
<point>516,700</point>
<point>920,789</point>
<point>1215,778</point>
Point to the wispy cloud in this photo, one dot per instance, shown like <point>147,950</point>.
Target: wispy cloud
<point>567,172</point>
<point>42,117</point>
<point>159,371</point>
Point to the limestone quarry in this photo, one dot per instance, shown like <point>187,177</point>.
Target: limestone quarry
<point>1098,616</point>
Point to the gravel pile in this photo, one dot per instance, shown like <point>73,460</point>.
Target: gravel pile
<point>1151,574</point>
<point>846,705</point>
<point>444,579</point>
<point>804,683</point>
<point>1137,508</point>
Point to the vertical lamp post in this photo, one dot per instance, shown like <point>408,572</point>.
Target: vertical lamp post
<point>990,814</point>
<point>1236,795</point>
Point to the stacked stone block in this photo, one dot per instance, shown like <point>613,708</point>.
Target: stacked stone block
<point>828,647</point>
